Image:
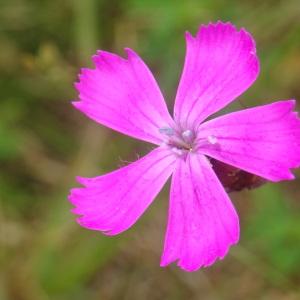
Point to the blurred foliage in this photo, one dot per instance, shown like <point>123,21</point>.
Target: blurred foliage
<point>282,235</point>
<point>44,143</point>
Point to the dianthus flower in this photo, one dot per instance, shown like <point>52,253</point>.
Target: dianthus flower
<point>220,64</point>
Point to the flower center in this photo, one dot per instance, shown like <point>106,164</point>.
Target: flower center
<point>180,142</point>
<point>185,141</point>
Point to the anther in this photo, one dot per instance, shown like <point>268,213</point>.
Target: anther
<point>166,131</point>
<point>212,139</point>
<point>188,136</point>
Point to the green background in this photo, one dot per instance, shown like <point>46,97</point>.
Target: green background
<point>45,143</point>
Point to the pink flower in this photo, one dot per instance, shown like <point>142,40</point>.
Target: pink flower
<point>220,64</point>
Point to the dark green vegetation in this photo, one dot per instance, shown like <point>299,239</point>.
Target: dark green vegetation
<point>44,143</point>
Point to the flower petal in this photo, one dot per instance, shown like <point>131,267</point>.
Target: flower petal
<point>220,64</point>
<point>202,220</point>
<point>123,95</point>
<point>113,202</point>
<point>264,140</point>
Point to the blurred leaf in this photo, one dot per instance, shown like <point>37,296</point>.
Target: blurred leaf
<point>274,229</point>
<point>63,269</point>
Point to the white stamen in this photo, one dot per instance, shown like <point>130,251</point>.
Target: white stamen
<point>177,151</point>
<point>212,139</point>
<point>187,133</point>
<point>167,131</point>
<point>188,136</point>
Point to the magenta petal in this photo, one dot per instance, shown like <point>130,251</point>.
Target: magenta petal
<point>113,202</point>
<point>264,140</point>
<point>202,220</point>
<point>220,64</point>
<point>123,95</point>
